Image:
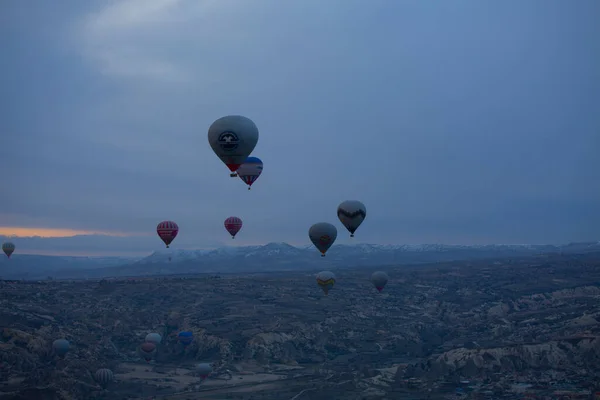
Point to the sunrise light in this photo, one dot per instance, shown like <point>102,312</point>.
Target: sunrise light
<point>53,232</point>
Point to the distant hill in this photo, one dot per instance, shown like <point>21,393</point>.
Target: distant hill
<point>269,257</point>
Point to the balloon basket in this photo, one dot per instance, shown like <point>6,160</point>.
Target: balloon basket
<point>233,175</point>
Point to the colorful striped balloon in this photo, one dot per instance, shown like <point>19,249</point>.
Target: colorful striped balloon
<point>233,226</point>
<point>250,170</point>
<point>167,231</point>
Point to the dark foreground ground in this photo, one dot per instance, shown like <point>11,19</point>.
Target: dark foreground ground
<point>485,329</point>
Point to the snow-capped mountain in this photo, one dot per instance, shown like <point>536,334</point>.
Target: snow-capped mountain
<point>282,256</point>
<point>269,257</point>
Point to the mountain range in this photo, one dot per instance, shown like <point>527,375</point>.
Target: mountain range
<point>269,257</point>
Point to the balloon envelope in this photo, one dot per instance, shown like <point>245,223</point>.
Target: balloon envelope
<point>351,214</point>
<point>379,280</point>
<point>61,347</point>
<point>325,280</point>
<point>204,369</point>
<point>250,170</point>
<point>167,231</point>
<point>154,338</point>
<point>185,337</point>
<point>148,347</point>
<point>233,225</point>
<point>8,248</point>
<point>323,235</point>
<point>233,138</point>
<point>104,376</point>
<point>147,351</point>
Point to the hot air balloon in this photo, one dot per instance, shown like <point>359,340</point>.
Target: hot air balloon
<point>250,170</point>
<point>154,338</point>
<point>233,226</point>
<point>147,351</point>
<point>326,280</point>
<point>104,376</point>
<point>61,347</point>
<point>322,235</point>
<point>204,370</point>
<point>8,248</point>
<point>185,337</point>
<point>167,231</point>
<point>233,138</point>
<point>351,214</point>
<point>379,280</point>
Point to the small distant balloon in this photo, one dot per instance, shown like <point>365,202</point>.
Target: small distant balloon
<point>104,376</point>
<point>147,351</point>
<point>325,280</point>
<point>185,337</point>
<point>250,170</point>
<point>379,280</point>
<point>61,347</point>
<point>322,235</point>
<point>154,338</point>
<point>233,226</point>
<point>8,248</point>
<point>204,370</point>
<point>351,214</point>
<point>233,138</point>
<point>167,231</point>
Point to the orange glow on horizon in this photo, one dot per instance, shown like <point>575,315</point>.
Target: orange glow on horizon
<point>53,233</point>
<point>83,253</point>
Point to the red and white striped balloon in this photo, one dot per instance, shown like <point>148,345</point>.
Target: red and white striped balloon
<point>167,231</point>
<point>233,226</point>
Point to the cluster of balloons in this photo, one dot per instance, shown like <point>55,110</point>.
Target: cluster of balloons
<point>232,138</point>
<point>148,350</point>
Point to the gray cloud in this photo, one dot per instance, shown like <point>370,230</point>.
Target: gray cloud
<point>453,122</point>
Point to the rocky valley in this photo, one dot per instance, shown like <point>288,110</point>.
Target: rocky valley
<point>490,328</point>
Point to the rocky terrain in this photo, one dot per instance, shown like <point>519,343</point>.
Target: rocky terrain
<point>499,328</point>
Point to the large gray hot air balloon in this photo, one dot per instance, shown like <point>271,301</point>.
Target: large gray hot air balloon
<point>325,280</point>
<point>104,376</point>
<point>233,138</point>
<point>379,280</point>
<point>351,214</point>
<point>154,338</point>
<point>204,370</point>
<point>322,234</point>
<point>61,347</point>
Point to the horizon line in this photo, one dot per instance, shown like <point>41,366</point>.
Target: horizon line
<point>130,254</point>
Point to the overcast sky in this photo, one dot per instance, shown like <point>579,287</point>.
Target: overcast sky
<point>453,121</point>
